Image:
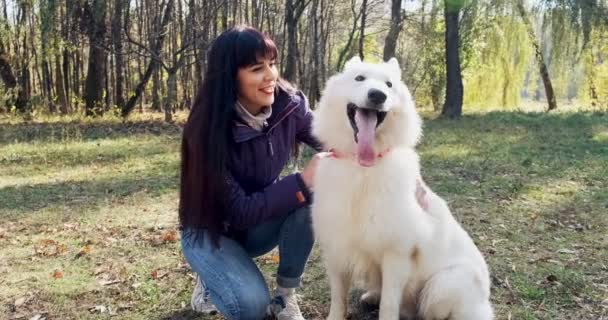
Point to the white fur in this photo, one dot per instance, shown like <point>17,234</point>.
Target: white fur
<point>370,226</point>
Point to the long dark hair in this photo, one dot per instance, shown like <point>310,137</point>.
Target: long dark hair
<point>207,136</point>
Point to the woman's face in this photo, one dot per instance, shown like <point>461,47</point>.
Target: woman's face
<point>256,85</point>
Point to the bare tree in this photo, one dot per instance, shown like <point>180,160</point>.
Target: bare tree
<point>154,57</point>
<point>96,74</point>
<point>362,29</point>
<point>452,108</point>
<point>293,12</point>
<point>117,39</point>
<point>544,72</point>
<point>390,43</point>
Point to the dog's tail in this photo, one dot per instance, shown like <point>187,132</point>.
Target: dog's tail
<point>455,293</point>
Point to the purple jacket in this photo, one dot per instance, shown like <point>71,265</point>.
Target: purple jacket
<point>257,158</point>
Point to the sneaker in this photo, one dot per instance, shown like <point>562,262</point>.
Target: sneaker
<point>285,307</point>
<point>201,301</point>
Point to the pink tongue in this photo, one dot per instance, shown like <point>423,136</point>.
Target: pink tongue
<point>366,124</point>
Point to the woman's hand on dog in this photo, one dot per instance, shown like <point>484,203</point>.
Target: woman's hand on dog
<point>309,171</point>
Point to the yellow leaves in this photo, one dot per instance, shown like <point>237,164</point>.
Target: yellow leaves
<point>166,236</point>
<point>85,250</point>
<point>271,258</point>
<point>274,258</point>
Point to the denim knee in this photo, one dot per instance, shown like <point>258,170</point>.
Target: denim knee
<point>252,304</point>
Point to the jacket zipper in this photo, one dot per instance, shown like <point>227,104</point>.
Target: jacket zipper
<point>268,136</point>
<point>270,147</point>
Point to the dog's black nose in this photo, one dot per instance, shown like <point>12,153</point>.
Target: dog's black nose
<point>376,96</point>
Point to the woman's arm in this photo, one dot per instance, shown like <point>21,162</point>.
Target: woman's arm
<point>247,210</point>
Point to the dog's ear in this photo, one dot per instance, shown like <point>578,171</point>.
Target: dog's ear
<point>353,61</point>
<point>394,64</point>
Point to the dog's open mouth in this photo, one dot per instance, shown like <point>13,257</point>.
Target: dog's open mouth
<point>364,122</point>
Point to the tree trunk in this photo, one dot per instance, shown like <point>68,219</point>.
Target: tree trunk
<point>95,81</point>
<point>65,56</point>
<point>362,29</point>
<point>10,81</point>
<point>153,63</point>
<point>291,60</point>
<point>47,82</point>
<point>47,11</point>
<point>171,94</point>
<point>452,108</point>
<point>390,43</point>
<point>59,87</point>
<point>117,38</point>
<point>544,71</point>
<point>156,90</point>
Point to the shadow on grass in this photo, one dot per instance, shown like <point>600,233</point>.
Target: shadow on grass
<point>185,314</point>
<point>60,131</point>
<point>80,195</point>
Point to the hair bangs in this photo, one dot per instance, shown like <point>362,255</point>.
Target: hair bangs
<point>252,46</point>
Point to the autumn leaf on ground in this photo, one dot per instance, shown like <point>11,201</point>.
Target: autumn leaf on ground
<point>49,248</point>
<point>275,258</point>
<point>57,274</point>
<point>169,236</point>
<point>157,274</point>
<point>83,251</point>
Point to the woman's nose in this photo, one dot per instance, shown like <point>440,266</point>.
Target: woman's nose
<point>270,73</point>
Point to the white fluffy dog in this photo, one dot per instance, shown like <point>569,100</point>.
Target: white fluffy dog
<point>370,227</point>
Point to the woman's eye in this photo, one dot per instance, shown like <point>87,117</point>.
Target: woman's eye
<point>389,84</point>
<point>360,78</point>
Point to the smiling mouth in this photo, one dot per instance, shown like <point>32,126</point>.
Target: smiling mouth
<point>365,113</point>
<point>268,90</point>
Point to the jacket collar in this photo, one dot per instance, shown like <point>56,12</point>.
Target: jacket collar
<point>284,104</point>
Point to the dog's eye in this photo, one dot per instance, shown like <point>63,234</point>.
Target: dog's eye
<point>360,78</point>
<point>389,84</point>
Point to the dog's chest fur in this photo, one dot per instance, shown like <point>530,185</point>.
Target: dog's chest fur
<point>366,211</point>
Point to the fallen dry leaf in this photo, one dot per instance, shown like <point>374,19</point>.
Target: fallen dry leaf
<point>83,251</point>
<point>157,275</point>
<point>20,301</point>
<point>99,308</point>
<point>49,248</point>
<point>169,236</point>
<point>109,282</point>
<point>275,258</point>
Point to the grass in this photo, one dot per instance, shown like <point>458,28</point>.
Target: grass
<point>88,215</point>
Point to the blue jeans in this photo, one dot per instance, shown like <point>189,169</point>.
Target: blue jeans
<point>237,287</point>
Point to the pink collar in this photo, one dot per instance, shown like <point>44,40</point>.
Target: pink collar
<point>351,155</point>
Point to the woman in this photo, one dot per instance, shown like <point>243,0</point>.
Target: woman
<point>244,125</point>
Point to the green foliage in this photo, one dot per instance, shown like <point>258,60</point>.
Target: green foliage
<point>497,73</point>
